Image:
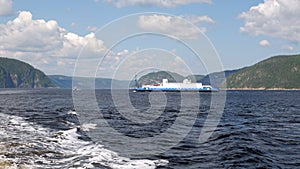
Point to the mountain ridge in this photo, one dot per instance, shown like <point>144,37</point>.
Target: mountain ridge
<point>18,74</point>
<point>277,72</point>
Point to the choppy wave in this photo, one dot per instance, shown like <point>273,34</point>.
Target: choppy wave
<point>24,144</point>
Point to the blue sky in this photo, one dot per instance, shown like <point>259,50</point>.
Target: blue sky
<point>51,35</point>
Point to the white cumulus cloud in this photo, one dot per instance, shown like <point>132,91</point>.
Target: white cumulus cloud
<point>159,3</point>
<point>27,35</point>
<point>264,43</point>
<point>6,7</point>
<point>124,52</point>
<point>199,19</point>
<point>287,47</point>
<point>91,28</point>
<point>44,43</point>
<point>177,26</point>
<point>274,18</point>
<point>73,43</point>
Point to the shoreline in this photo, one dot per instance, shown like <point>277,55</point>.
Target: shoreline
<point>226,89</point>
<point>261,89</point>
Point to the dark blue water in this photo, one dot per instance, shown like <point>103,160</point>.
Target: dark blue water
<point>258,129</point>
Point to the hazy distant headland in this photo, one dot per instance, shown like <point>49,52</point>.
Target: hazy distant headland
<point>275,73</point>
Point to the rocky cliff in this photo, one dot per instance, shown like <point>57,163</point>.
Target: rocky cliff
<point>17,74</point>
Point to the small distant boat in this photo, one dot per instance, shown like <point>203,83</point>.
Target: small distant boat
<point>185,86</point>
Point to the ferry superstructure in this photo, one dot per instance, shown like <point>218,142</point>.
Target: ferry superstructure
<point>185,86</point>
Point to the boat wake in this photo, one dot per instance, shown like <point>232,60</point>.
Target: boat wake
<point>25,144</point>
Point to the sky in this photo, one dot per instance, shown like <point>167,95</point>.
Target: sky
<point>120,38</point>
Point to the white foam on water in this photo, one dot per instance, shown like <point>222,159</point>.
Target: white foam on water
<point>88,126</point>
<point>72,112</point>
<point>28,145</point>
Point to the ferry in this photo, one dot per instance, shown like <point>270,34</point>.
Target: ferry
<point>185,86</point>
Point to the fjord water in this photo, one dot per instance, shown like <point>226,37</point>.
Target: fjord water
<point>258,129</point>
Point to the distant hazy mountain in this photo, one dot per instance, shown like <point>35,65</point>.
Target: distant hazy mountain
<point>156,77</point>
<point>61,81</point>
<point>217,77</point>
<point>85,82</point>
<point>275,72</point>
<point>195,78</point>
<point>17,74</point>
